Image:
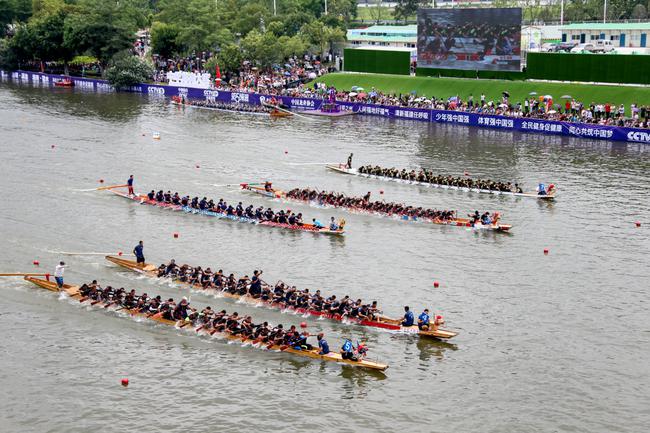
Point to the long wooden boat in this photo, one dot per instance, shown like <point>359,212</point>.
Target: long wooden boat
<point>222,109</point>
<point>73,292</point>
<point>393,325</point>
<point>456,222</point>
<point>342,168</point>
<point>143,199</point>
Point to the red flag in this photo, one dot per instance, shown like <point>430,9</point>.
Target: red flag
<point>217,72</point>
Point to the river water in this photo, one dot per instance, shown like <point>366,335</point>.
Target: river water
<point>553,343</point>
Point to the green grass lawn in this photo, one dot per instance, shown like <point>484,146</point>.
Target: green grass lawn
<point>446,87</point>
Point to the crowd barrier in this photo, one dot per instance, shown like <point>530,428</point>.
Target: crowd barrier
<point>529,125</point>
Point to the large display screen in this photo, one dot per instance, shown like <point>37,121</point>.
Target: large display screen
<point>480,39</point>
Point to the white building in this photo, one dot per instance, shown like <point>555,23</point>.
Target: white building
<point>384,36</point>
<point>623,35</point>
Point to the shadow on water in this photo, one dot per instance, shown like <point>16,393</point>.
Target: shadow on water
<point>115,107</point>
<point>429,348</point>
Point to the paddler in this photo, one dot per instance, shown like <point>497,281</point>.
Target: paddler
<point>139,254</point>
<point>268,186</point>
<point>322,344</point>
<point>129,183</point>
<point>58,274</point>
<point>349,165</point>
<point>347,350</point>
<point>408,317</point>
<point>424,320</point>
<point>541,190</point>
<point>333,226</point>
<point>317,224</point>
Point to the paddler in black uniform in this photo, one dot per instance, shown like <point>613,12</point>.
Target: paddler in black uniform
<point>350,160</point>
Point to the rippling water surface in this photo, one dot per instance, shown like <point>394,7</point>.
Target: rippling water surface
<point>547,343</point>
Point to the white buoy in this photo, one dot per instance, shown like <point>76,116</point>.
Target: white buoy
<point>156,136</point>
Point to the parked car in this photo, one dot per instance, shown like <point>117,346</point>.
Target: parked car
<point>549,47</point>
<point>584,47</point>
<point>565,47</point>
<point>604,46</point>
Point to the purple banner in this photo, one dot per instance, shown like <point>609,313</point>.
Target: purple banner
<point>522,124</point>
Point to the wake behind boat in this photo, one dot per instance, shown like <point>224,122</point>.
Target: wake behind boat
<point>208,322</point>
<point>281,219</point>
<point>363,205</point>
<point>427,178</point>
<point>282,297</point>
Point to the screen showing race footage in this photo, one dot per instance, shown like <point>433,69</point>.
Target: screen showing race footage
<point>478,39</point>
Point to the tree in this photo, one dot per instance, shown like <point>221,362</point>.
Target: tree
<point>128,70</point>
<point>14,11</point>
<point>261,48</point>
<point>321,35</point>
<point>405,9</point>
<point>163,39</point>
<point>292,46</point>
<point>48,30</point>
<point>229,59</point>
<point>639,12</point>
<point>100,29</point>
<point>346,10</point>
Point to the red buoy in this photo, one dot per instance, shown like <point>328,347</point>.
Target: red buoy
<point>119,253</point>
<point>381,191</point>
<point>197,166</point>
<point>101,180</point>
<point>175,235</point>
<point>125,382</point>
<point>545,251</point>
<point>436,284</point>
<point>303,324</point>
<point>36,263</point>
<point>637,223</point>
<point>53,146</point>
<point>286,152</point>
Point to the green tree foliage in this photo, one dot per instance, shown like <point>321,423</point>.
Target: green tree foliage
<point>163,39</point>
<point>14,11</point>
<point>261,48</point>
<point>404,9</point>
<point>321,35</point>
<point>100,28</point>
<point>639,12</point>
<point>127,70</point>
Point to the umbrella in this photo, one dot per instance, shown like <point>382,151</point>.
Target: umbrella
<point>362,95</point>
<point>287,74</point>
<point>548,97</point>
<point>533,93</point>
<point>312,75</point>
<point>506,94</point>
<point>360,89</point>
<point>413,92</point>
<point>552,111</point>
<point>503,105</point>
<point>352,93</point>
<point>566,97</point>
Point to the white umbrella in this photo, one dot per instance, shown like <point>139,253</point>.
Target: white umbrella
<point>566,97</point>
<point>533,93</point>
<point>312,75</point>
<point>552,111</point>
<point>352,93</point>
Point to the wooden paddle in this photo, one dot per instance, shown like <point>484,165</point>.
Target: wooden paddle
<point>22,274</point>
<point>101,188</point>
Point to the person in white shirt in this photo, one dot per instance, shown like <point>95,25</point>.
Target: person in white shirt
<point>58,274</point>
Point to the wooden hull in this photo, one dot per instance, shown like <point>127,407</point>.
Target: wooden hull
<point>386,323</point>
<point>143,199</point>
<point>223,110</point>
<point>73,292</point>
<point>341,168</point>
<point>458,222</point>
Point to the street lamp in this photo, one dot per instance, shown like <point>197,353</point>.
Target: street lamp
<point>325,7</point>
